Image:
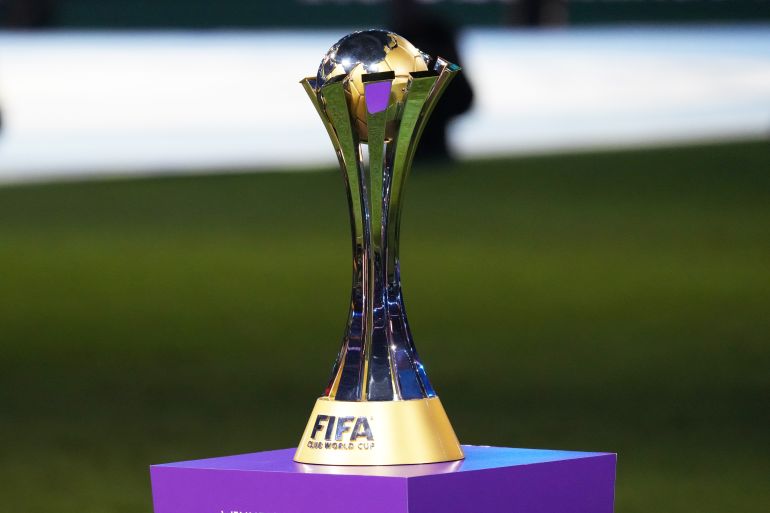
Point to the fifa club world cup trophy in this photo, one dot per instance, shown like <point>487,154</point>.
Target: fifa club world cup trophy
<point>374,92</point>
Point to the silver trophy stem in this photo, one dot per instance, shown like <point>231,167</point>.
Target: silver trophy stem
<point>378,360</point>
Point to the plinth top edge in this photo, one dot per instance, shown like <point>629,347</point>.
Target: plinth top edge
<point>476,458</point>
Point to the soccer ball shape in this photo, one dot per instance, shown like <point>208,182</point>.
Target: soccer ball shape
<point>371,51</point>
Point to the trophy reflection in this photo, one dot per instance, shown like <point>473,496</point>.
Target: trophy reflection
<point>374,92</point>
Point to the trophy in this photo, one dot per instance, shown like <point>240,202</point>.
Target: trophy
<point>374,92</point>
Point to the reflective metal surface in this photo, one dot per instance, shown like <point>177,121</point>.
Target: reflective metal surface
<point>374,94</point>
<point>368,52</point>
<point>364,108</point>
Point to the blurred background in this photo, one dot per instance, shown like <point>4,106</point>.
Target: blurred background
<point>585,251</point>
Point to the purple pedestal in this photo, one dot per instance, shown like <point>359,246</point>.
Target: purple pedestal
<point>489,480</point>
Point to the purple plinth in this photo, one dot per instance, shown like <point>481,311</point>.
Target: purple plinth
<point>489,480</point>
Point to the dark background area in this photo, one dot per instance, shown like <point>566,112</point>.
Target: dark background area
<point>602,301</point>
<point>335,13</point>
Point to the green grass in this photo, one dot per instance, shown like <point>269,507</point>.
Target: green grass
<point>616,301</point>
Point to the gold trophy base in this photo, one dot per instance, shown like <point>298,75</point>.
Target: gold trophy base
<point>378,433</point>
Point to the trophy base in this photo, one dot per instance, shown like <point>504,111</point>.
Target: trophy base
<point>378,433</point>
